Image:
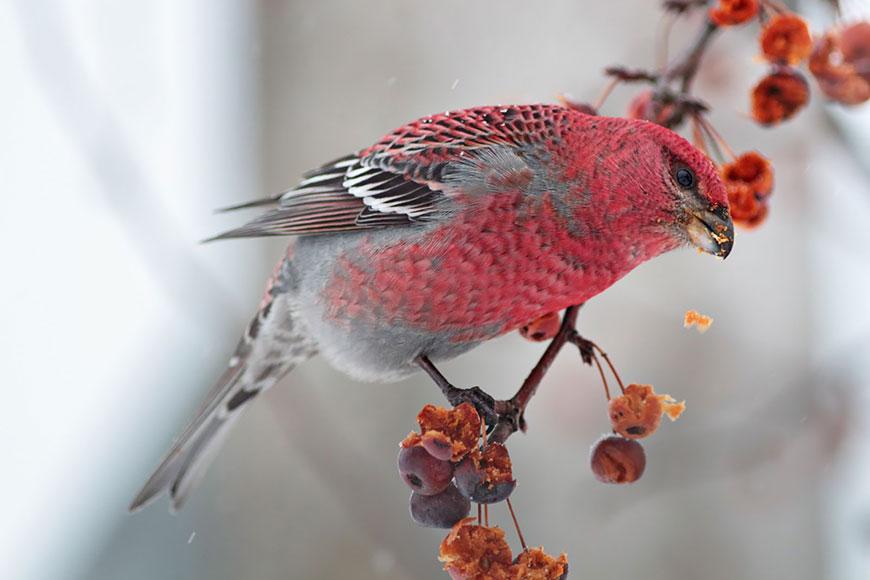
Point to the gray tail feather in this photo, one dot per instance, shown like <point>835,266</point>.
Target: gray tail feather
<point>274,343</point>
<point>185,464</point>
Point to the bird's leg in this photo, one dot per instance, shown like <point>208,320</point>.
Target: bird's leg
<point>482,401</point>
<point>510,412</point>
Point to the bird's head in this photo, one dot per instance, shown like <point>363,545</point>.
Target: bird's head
<point>695,198</point>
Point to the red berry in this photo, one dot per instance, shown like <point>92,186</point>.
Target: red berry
<point>424,474</point>
<point>442,510</point>
<point>617,460</point>
<point>543,328</point>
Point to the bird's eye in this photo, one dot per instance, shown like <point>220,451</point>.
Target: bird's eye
<point>685,177</point>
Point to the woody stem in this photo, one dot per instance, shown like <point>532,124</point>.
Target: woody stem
<point>510,412</point>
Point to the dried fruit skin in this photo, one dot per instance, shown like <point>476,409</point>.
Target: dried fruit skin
<point>543,328</point>
<point>778,96</point>
<point>731,12</point>
<point>476,552</point>
<point>615,459</point>
<point>786,39</point>
<point>423,473</point>
<point>442,510</point>
<point>461,425</point>
<point>486,477</point>
<point>637,413</point>
<point>840,61</point>
<point>535,564</point>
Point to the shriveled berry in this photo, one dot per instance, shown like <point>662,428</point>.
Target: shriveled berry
<point>615,459</point>
<point>543,328</point>
<point>437,444</point>
<point>442,510</point>
<point>636,413</point>
<point>475,552</point>
<point>423,473</point>
<point>536,564</point>
<point>486,476</point>
<point>779,96</point>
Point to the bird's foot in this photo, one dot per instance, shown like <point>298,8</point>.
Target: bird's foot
<point>482,401</point>
<point>586,347</point>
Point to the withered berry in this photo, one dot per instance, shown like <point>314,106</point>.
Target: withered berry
<point>786,39</point>
<point>615,459</point>
<point>731,12</point>
<point>442,510</point>
<point>778,96</point>
<point>474,552</point>
<point>424,474</point>
<point>536,564</point>
<point>637,413</point>
<point>840,61</point>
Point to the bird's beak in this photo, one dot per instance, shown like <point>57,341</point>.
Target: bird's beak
<point>712,231</point>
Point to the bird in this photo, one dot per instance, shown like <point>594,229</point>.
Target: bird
<point>449,231</point>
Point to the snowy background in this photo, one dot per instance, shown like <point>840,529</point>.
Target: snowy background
<point>123,124</point>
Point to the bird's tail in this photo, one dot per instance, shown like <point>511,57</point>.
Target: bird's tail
<point>273,344</point>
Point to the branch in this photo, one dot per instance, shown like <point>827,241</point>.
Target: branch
<point>510,412</point>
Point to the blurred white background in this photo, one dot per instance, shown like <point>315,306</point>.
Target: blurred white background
<point>124,124</point>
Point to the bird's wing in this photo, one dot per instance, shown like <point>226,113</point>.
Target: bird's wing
<point>400,180</point>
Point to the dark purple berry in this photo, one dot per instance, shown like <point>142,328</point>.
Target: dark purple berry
<point>471,480</point>
<point>423,473</point>
<point>443,510</point>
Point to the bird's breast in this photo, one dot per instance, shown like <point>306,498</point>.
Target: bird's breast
<point>481,273</point>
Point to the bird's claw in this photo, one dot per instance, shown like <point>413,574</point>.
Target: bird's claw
<point>482,401</point>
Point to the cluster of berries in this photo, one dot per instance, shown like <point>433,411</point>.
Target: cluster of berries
<point>838,59</point>
<point>448,465</point>
<point>472,551</point>
<point>637,413</point>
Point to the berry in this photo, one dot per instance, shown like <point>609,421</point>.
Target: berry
<point>615,459</point>
<point>424,474</point>
<point>637,413</point>
<point>543,328</point>
<point>437,444</point>
<point>730,12</point>
<point>535,564</point>
<point>471,552</point>
<point>778,96</point>
<point>840,61</point>
<point>786,39</point>
<point>442,510</point>
<point>486,476</point>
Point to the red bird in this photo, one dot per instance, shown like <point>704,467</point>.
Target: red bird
<point>451,230</point>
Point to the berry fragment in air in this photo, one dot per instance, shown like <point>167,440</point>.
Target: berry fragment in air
<point>615,459</point>
<point>424,474</point>
<point>442,510</point>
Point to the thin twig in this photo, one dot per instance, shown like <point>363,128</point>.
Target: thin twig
<point>516,523</point>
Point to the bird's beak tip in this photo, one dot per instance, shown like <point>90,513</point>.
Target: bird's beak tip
<point>712,231</point>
